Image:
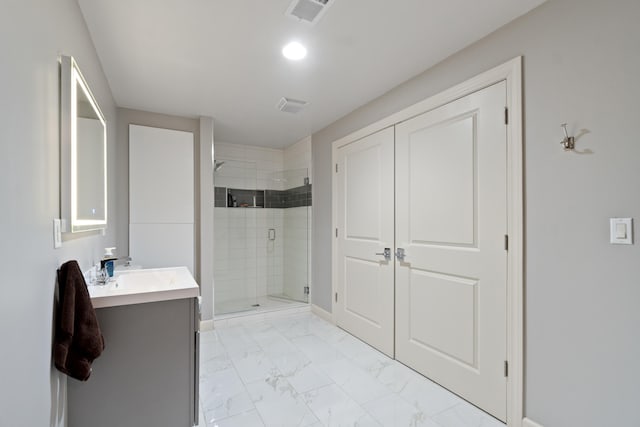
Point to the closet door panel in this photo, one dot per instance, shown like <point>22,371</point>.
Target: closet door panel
<point>451,219</point>
<point>442,182</point>
<point>365,289</point>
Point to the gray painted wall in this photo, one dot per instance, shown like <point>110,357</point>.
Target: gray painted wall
<point>33,33</point>
<point>581,66</point>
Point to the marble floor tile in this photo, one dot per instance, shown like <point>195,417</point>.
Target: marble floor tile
<point>465,415</point>
<point>328,332</point>
<point>355,382</point>
<point>296,369</point>
<point>333,407</point>
<point>254,366</point>
<point>294,326</point>
<point>300,372</point>
<point>278,346</point>
<point>393,374</point>
<point>353,348</point>
<point>264,334</point>
<point>246,419</point>
<point>236,341</point>
<point>371,360</point>
<point>223,394</point>
<point>393,411</point>
<point>307,378</point>
<point>279,404</point>
<point>215,364</point>
<point>210,346</point>
<point>428,396</point>
<point>316,349</point>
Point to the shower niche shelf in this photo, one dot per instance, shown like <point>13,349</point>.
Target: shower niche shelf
<point>242,198</point>
<point>282,199</point>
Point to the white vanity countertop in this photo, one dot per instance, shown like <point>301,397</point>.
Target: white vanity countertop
<point>142,286</point>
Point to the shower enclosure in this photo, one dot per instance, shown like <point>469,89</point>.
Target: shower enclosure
<point>235,252</point>
<point>288,218</point>
<point>261,237</point>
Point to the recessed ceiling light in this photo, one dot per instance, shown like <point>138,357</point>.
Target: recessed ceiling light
<point>294,51</point>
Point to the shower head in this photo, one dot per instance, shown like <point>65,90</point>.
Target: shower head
<point>217,165</point>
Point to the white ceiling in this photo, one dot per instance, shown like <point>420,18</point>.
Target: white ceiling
<point>221,58</point>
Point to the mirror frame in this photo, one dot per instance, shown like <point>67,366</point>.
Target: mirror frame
<point>70,80</point>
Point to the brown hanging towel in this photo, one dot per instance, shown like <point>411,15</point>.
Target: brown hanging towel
<point>78,339</point>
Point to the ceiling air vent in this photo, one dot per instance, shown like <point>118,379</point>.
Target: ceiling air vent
<point>289,105</point>
<point>309,11</point>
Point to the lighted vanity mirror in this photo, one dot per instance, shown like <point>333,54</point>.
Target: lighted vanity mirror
<point>84,153</point>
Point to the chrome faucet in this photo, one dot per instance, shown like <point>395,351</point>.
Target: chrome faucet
<point>127,260</point>
<point>101,276</point>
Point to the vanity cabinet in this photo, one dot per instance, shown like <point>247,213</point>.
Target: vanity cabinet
<point>147,375</point>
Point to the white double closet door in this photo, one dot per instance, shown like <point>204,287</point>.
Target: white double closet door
<point>435,187</point>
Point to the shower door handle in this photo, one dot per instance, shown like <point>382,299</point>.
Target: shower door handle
<point>272,234</point>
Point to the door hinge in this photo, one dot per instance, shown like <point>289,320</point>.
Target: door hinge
<point>506,242</point>
<point>506,368</point>
<point>506,115</point>
<point>306,290</point>
<point>336,297</point>
<point>336,232</point>
<point>336,168</point>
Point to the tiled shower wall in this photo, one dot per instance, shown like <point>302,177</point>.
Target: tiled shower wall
<point>246,263</point>
<point>267,161</point>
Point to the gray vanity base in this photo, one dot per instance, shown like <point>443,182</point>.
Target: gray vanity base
<point>146,374</point>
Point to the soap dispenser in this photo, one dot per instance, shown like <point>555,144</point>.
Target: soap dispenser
<point>107,261</point>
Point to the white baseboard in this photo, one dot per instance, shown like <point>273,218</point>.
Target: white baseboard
<point>206,325</point>
<point>321,312</point>
<point>526,422</point>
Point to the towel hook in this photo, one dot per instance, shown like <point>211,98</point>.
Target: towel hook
<point>569,142</point>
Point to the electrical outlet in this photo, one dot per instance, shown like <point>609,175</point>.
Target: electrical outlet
<point>57,233</point>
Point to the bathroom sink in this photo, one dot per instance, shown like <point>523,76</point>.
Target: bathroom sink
<point>146,279</point>
<point>125,267</point>
<point>145,285</point>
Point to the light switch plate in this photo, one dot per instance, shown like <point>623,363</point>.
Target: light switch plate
<point>621,231</point>
<point>57,233</point>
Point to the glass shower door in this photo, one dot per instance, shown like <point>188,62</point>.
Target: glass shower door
<point>235,236</point>
<point>288,218</point>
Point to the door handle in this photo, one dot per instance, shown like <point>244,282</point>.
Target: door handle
<point>386,253</point>
<point>400,254</point>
